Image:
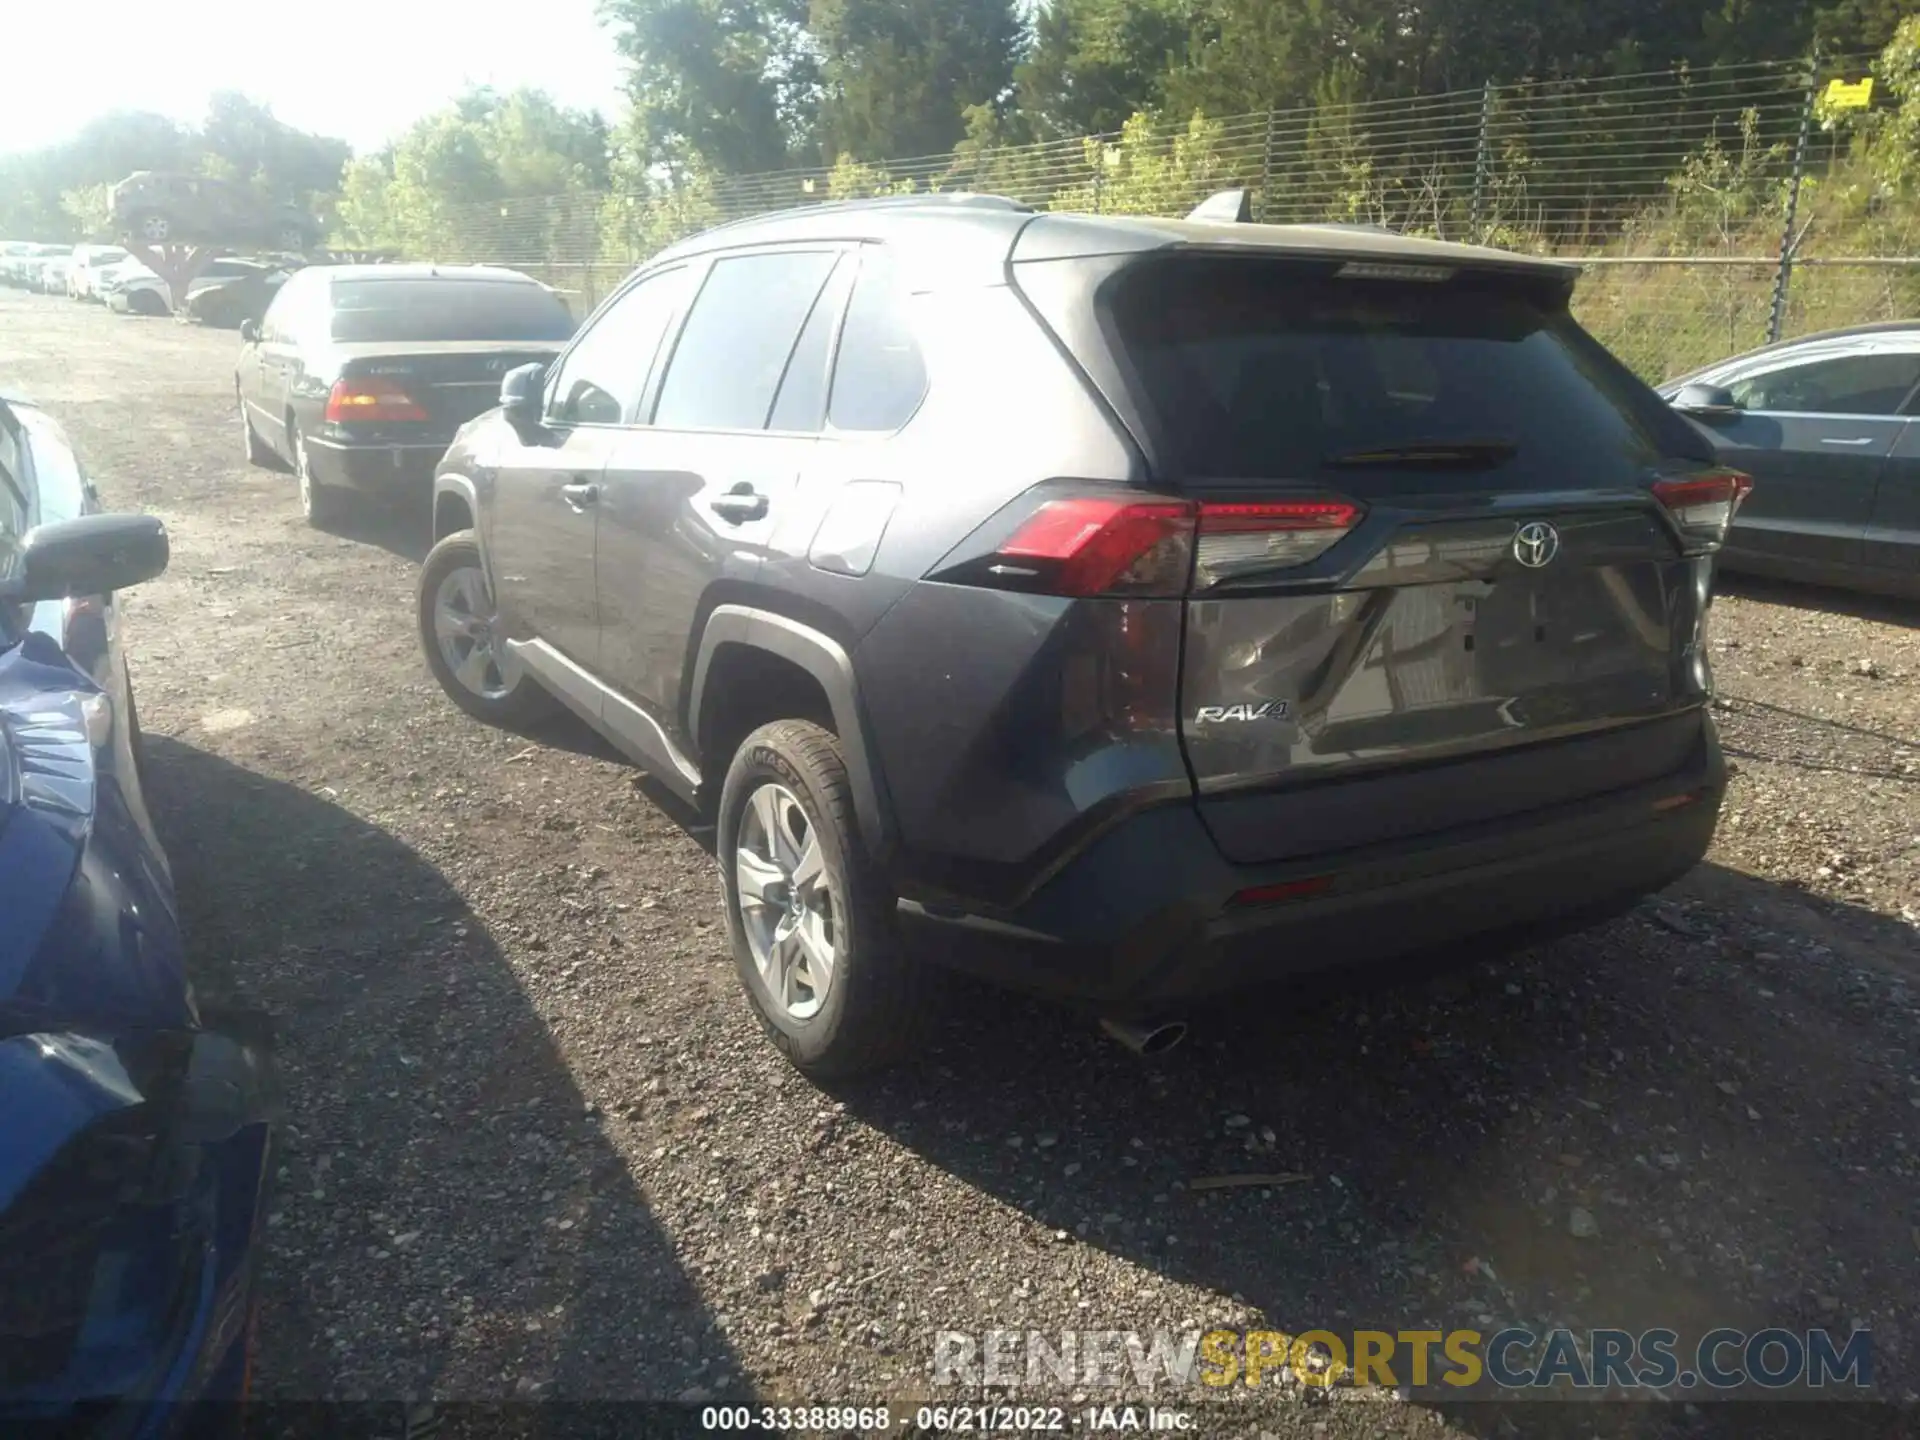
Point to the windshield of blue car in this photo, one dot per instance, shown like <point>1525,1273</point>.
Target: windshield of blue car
<point>425,310</point>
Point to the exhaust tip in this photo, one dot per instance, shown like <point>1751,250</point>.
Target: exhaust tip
<point>1154,1038</point>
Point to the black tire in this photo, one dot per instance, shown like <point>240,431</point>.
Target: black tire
<point>521,707</point>
<point>879,1002</point>
<point>323,506</point>
<point>256,448</point>
<point>152,228</point>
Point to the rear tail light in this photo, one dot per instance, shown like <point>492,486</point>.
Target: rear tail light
<point>371,401</point>
<point>1704,505</point>
<point>1085,545</point>
<point>1101,546</point>
<point>1247,539</point>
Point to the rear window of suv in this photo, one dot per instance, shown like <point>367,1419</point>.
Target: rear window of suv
<point>378,311</point>
<point>1271,370</point>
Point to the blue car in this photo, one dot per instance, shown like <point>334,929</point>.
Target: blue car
<point>134,1135</point>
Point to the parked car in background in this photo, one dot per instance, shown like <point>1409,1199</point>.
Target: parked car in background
<point>131,288</point>
<point>144,293</point>
<point>51,277</point>
<point>134,1138</point>
<point>1125,609</point>
<point>86,263</point>
<point>359,376</point>
<point>229,302</point>
<point>1829,427</point>
<point>17,259</point>
<point>158,207</point>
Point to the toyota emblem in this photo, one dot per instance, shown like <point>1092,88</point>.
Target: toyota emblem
<point>1535,544</point>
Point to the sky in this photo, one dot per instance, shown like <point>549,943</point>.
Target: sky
<point>361,71</point>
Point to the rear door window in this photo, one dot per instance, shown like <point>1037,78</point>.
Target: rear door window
<point>1275,371</point>
<point>879,377</point>
<point>802,403</point>
<point>1869,384</point>
<point>733,350</point>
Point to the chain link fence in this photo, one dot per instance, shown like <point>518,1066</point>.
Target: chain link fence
<point>1678,191</point>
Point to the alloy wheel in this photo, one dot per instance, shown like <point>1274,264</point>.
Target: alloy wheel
<point>786,901</point>
<point>464,630</point>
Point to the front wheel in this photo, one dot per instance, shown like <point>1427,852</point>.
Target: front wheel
<point>461,635</point>
<point>809,913</point>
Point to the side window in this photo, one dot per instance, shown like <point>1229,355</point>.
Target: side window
<point>1872,384</point>
<point>802,405</point>
<point>879,377</point>
<point>13,479</point>
<point>273,324</point>
<point>735,345</point>
<point>601,380</point>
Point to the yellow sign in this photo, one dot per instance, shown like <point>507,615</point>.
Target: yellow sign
<point>1844,96</point>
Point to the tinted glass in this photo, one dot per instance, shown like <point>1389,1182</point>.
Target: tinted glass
<point>602,378</point>
<point>734,347</point>
<point>1273,371</point>
<point>802,405</point>
<point>13,481</point>
<point>374,311</point>
<point>1845,385</point>
<point>879,377</point>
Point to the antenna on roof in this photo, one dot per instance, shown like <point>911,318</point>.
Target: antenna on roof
<point>1230,207</point>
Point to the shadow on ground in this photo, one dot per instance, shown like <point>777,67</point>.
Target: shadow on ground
<point>1883,609</point>
<point>1718,1106</point>
<point>432,1128</point>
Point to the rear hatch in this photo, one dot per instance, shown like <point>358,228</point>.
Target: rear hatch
<point>450,382</point>
<point>1433,562</point>
<point>422,354</point>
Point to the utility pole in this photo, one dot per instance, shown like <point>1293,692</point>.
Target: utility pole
<point>1783,272</point>
<point>1482,162</point>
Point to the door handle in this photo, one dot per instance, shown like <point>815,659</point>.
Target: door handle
<point>1835,440</point>
<point>581,495</point>
<point>740,504</point>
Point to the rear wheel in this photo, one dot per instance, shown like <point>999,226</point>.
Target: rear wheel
<point>809,913</point>
<point>154,228</point>
<point>460,633</point>
<point>321,504</point>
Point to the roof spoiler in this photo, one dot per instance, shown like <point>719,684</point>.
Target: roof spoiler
<point>1229,207</point>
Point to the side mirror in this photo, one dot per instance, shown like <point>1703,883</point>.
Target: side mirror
<point>523,393</point>
<point>93,555</point>
<point>250,331</point>
<point>1706,402</point>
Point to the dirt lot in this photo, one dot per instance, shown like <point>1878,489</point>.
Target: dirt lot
<point>537,1146</point>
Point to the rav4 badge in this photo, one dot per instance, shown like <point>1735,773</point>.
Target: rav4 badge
<point>1219,714</point>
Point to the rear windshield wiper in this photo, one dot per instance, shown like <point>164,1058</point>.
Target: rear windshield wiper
<point>1453,454</point>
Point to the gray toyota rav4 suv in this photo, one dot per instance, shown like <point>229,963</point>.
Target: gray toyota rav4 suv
<point>1124,609</point>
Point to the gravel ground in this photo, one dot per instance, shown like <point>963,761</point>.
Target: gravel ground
<point>537,1146</point>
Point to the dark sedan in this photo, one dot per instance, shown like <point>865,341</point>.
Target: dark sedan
<point>134,1140</point>
<point>359,375</point>
<point>1829,428</point>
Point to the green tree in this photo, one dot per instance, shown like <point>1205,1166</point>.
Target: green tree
<point>252,146</point>
<point>1094,64</point>
<point>898,76</point>
<point>727,83</point>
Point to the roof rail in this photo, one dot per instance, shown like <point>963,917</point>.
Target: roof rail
<point>965,199</point>
<point>1232,207</point>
